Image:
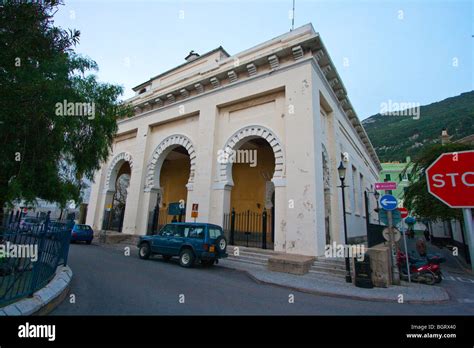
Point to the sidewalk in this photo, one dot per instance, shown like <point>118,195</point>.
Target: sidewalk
<point>336,286</point>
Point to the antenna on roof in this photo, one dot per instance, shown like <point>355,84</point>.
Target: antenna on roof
<point>293,17</point>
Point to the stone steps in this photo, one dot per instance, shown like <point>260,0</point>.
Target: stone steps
<point>254,256</point>
<point>328,266</point>
<point>249,255</point>
<point>332,272</point>
<point>243,249</point>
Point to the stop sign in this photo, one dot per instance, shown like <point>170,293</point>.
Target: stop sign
<point>451,179</point>
<point>403,212</point>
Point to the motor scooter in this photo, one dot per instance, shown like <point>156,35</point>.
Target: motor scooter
<point>425,270</point>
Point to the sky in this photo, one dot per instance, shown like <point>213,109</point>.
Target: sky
<point>417,51</point>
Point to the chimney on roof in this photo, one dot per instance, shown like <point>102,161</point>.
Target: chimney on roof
<point>191,56</point>
<point>444,136</point>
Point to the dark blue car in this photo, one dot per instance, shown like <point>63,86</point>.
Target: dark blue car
<point>192,242</point>
<point>82,233</point>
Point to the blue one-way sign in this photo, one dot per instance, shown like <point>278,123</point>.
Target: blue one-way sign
<point>388,202</point>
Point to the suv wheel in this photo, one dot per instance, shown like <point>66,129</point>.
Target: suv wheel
<point>221,244</point>
<point>144,251</point>
<point>186,258</point>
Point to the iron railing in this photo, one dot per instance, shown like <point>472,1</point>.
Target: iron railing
<point>159,217</point>
<point>249,228</point>
<point>29,258</point>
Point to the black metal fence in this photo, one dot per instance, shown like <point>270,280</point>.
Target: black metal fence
<point>29,258</point>
<point>113,220</point>
<point>250,229</point>
<point>160,217</point>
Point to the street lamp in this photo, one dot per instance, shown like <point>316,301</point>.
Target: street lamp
<point>377,196</point>
<point>342,176</point>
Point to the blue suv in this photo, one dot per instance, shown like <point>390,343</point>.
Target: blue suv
<point>192,242</point>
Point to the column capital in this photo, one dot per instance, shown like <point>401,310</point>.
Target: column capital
<point>222,185</point>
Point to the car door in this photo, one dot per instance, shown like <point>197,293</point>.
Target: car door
<point>161,241</point>
<point>196,238</point>
<point>176,240</point>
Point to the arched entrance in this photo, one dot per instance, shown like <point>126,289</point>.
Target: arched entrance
<point>252,163</point>
<point>173,191</point>
<point>170,175</point>
<point>116,192</point>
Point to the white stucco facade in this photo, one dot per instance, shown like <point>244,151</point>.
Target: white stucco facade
<point>285,91</point>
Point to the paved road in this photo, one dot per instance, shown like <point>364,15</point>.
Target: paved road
<point>108,282</point>
<point>458,284</point>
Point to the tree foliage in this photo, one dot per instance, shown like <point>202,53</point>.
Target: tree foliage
<point>417,198</point>
<point>43,154</point>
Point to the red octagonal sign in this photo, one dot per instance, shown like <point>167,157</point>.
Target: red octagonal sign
<point>451,179</point>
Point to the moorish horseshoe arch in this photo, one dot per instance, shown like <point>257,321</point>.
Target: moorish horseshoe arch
<point>114,167</point>
<point>242,136</point>
<point>159,155</point>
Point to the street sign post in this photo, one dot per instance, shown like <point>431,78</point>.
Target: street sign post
<point>450,178</point>
<point>385,186</point>
<point>396,217</point>
<point>403,212</point>
<point>396,234</point>
<point>388,202</point>
<point>194,211</point>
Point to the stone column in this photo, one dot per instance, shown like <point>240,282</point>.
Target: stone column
<point>304,184</point>
<point>108,198</point>
<point>189,204</point>
<point>206,155</point>
<point>334,157</point>
<point>150,198</point>
<point>133,221</point>
<point>281,207</point>
<point>94,206</point>
<point>220,204</point>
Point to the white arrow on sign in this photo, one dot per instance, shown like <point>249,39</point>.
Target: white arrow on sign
<point>385,201</point>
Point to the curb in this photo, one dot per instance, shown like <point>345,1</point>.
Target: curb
<point>44,300</point>
<point>331,294</point>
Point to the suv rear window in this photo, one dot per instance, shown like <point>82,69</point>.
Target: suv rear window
<point>214,233</point>
<point>196,232</point>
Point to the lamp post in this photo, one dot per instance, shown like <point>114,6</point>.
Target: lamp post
<point>342,176</point>
<point>377,196</point>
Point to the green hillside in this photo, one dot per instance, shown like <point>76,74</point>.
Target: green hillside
<point>395,137</point>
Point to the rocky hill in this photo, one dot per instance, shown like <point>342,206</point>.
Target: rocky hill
<point>395,137</point>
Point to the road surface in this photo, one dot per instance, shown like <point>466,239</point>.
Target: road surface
<point>107,282</point>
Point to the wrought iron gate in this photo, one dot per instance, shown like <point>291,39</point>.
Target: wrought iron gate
<point>250,229</point>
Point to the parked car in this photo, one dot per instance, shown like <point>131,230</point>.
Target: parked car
<point>82,233</point>
<point>191,242</point>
